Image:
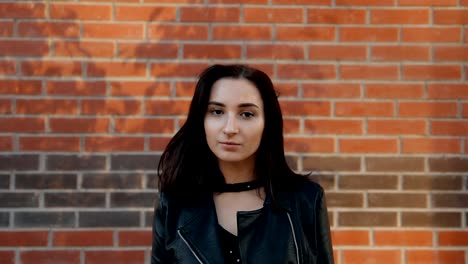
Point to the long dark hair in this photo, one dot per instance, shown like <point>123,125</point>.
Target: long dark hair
<point>188,168</point>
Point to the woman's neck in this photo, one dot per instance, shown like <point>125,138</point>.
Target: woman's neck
<point>235,172</point>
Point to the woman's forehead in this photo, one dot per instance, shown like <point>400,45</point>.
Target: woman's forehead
<point>235,90</point>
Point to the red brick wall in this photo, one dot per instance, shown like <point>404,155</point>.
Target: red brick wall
<point>374,93</point>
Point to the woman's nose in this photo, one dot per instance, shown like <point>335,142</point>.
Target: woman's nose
<point>231,126</point>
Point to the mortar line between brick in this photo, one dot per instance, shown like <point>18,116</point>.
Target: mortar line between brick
<point>113,12</point>
<point>115,238</point>
<point>50,238</point>
<point>404,252</point>
<point>142,219</point>
<point>17,256</point>
<point>82,256</point>
<point>464,219</point>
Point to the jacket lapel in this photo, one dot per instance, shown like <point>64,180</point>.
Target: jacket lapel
<point>201,232</point>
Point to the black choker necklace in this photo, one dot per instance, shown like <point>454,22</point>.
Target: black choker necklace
<point>239,187</point>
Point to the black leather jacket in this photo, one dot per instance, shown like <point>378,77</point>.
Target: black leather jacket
<point>297,232</point>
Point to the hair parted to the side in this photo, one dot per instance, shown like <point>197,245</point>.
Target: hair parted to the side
<point>188,168</point>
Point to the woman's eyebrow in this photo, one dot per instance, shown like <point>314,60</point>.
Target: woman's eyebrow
<point>216,103</point>
<point>240,105</point>
<point>248,105</point>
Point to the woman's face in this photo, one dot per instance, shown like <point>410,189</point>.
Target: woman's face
<point>234,120</point>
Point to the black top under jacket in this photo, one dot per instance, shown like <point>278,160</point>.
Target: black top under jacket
<point>229,246</point>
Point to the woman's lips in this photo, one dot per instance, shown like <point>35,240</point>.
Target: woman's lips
<point>229,145</point>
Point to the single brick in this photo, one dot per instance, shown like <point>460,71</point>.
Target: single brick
<point>7,257</point>
<point>450,200</point>
<point>135,238</point>
<point>210,14</point>
<point>431,219</point>
<point>394,164</point>
<point>76,199</point>
<point>166,107</point>
<point>332,163</point>
<point>115,257</point>
<point>19,199</point>
<point>336,199</point>
<point>112,181</point>
<point>350,238</point>
<point>381,256</point>
<point>75,162</point>
<point>148,50</point>
<point>46,181</point>
<point>80,12</point>
<point>367,219</point>
<point>397,200</point>
<point>82,238</point>
<point>396,238</point>
<point>23,238</point>
<point>142,88</point>
<point>432,182</point>
<point>79,125</point>
<point>19,162</point>
<point>50,256</point>
<point>309,145</point>
<point>114,143</point>
<point>275,51</point>
<point>435,256</point>
<point>134,162</point>
<point>145,13</point>
<point>368,182</point>
<point>212,51</point>
<point>394,90</point>
<point>456,164</point>
<point>76,88</point>
<point>132,200</point>
<point>51,68</point>
<point>113,31</point>
<point>22,10</point>
<point>306,72</point>
<point>333,127</point>
<point>364,109</point>
<point>453,238</point>
<point>44,219</point>
<point>4,219</point>
<point>109,219</point>
<point>4,181</point>
<point>178,32</point>
<point>368,145</point>
<point>24,48</point>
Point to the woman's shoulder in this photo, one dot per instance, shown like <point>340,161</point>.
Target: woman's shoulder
<point>304,183</point>
<point>181,201</point>
<point>305,187</point>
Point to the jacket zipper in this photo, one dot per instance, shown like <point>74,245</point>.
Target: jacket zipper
<point>188,245</point>
<point>294,237</point>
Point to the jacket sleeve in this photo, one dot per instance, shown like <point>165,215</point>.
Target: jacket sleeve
<point>325,250</point>
<point>158,251</point>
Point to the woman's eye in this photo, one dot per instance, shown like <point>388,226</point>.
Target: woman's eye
<point>247,114</point>
<point>216,112</point>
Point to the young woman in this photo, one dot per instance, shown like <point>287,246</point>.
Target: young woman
<point>227,194</point>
